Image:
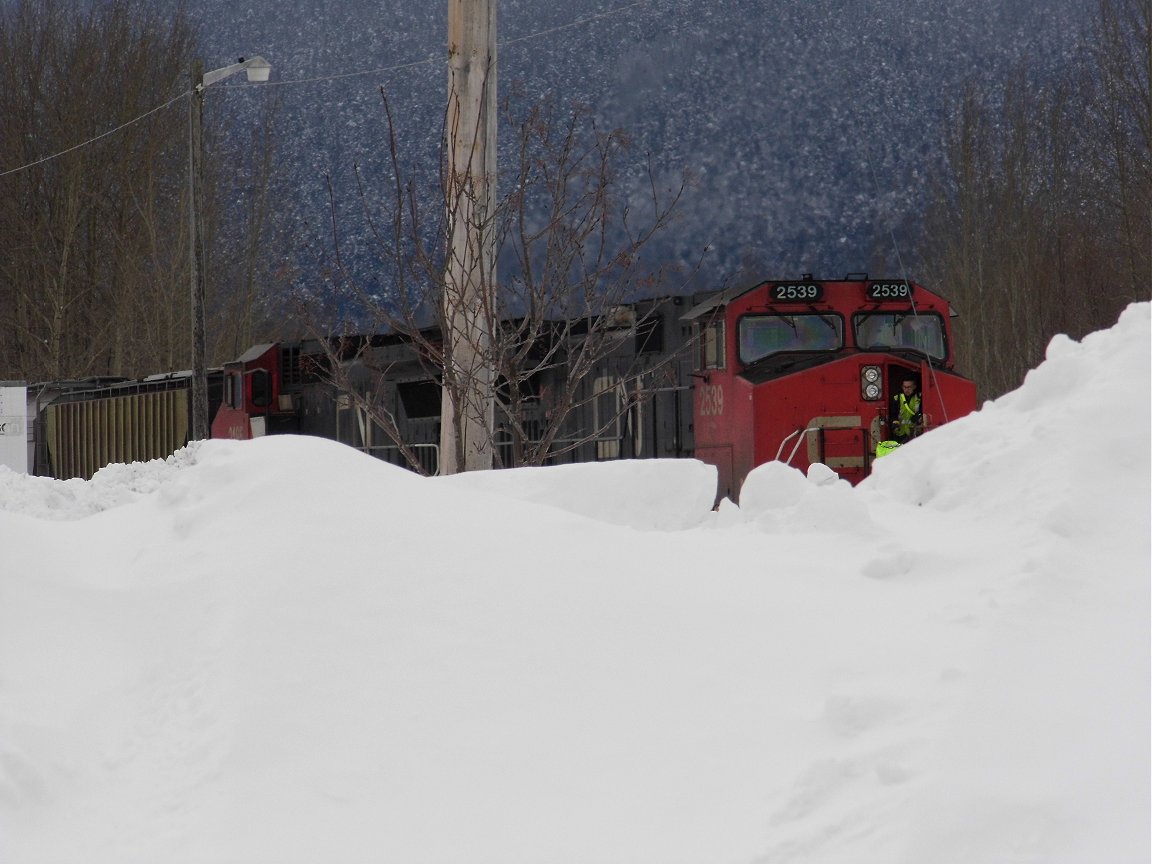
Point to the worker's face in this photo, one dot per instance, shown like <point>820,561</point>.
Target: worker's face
<point>908,387</point>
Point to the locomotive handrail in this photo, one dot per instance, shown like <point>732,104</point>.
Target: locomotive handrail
<point>787,438</point>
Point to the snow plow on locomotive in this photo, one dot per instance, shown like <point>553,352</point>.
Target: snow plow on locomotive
<point>799,371</point>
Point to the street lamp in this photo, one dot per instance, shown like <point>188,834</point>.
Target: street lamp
<point>257,69</point>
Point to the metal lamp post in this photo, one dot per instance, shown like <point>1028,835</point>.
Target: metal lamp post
<point>258,69</point>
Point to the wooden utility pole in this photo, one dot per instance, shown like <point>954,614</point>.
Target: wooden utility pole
<point>469,280</point>
<point>200,421</point>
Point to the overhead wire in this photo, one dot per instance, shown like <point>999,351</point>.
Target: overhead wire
<point>538,34</point>
<point>102,135</point>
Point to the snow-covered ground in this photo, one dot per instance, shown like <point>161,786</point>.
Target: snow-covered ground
<point>284,651</point>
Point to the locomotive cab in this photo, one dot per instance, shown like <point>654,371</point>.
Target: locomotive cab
<point>254,402</point>
<point>804,372</point>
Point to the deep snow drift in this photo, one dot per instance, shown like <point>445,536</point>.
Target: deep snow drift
<point>284,651</point>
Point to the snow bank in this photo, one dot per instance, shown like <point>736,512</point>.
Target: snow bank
<point>1084,409</point>
<point>283,651</point>
<point>643,494</point>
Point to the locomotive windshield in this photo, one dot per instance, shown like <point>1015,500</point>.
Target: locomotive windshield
<point>923,334</point>
<point>764,335</point>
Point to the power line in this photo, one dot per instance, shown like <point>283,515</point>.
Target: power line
<point>581,22</point>
<point>143,116</point>
<point>382,71</point>
<point>439,59</point>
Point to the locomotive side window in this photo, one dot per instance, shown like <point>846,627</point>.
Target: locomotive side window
<point>763,335</point>
<point>261,388</point>
<point>712,345</point>
<point>923,334</point>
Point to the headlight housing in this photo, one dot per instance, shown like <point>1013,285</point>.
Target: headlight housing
<point>870,387</point>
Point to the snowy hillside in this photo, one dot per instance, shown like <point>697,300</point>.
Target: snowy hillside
<point>808,126</point>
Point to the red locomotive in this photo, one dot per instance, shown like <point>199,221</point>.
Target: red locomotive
<point>805,371</point>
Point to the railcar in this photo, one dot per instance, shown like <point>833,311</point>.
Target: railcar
<point>77,427</point>
<point>804,371</point>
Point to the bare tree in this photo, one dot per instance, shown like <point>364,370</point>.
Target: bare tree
<point>76,270</point>
<point>93,255</point>
<point>571,267</point>
<point>1122,111</point>
<point>1041,223</point>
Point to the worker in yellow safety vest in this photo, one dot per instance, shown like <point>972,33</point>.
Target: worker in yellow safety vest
<point>907,418</point>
